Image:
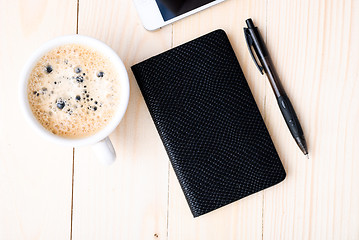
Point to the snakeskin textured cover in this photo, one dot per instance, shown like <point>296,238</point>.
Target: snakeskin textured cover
<point>209,123</point>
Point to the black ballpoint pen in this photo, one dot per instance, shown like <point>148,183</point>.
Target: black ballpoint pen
<point>255,41</point>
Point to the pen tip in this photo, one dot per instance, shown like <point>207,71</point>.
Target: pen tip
<point>307,155</point>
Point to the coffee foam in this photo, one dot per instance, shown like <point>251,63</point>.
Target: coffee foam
<point>73,91</point>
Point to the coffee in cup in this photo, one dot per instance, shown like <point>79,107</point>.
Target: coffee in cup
<point>73,91</point>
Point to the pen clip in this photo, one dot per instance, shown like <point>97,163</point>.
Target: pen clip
<point>250,44</point>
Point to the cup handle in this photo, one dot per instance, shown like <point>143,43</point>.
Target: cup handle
<point>104,151</point>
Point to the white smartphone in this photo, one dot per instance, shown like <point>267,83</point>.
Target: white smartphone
<point>157,13</point>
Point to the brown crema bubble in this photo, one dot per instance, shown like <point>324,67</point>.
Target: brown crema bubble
<point>66,108</point>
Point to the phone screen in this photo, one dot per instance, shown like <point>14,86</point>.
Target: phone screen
<point>173,8</point>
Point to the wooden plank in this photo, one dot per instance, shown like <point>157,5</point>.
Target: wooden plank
<point>35,175</point>
<point>314,45</point>
<point>127,200</point>
<point>242,219</point>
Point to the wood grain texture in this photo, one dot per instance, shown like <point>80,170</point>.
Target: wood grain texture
<point>127,200</point>
<point>314,45</point>
<point>35,175</point>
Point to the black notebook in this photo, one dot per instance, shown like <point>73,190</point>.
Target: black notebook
<point>209,123</point>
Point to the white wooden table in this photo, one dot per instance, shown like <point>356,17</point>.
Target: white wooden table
<point>53,192</point>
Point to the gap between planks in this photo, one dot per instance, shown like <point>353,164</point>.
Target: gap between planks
<point>73,149</point>
<point>264,110</point>
<point>72,190</point>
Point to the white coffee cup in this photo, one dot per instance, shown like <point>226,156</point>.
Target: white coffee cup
<point>100,141</point>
